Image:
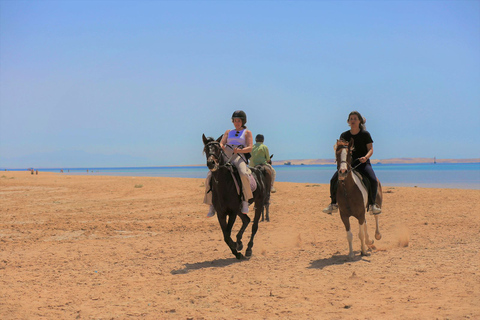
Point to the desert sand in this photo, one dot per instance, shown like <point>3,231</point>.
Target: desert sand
<point>103,247</point>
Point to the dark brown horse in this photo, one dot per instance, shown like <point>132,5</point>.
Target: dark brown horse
<point>227,201</point>
<point>352,197</point>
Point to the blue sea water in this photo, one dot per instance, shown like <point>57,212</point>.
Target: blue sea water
<point>443,175</point>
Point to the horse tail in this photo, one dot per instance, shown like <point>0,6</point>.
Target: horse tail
<point>267,180</point>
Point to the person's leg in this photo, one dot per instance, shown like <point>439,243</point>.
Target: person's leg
<point>238,162</point>
<point>333,187</point>
<point>333,207</point>
<point>207,199</point>
<point>274,175</point>
<point>368,170</point>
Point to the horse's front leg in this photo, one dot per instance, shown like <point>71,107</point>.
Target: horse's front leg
<point>227,232</point>
<point>267,213</point>
<point>245,221</point>
<point>362,235</point>
<point>346,223</point>
<point>378,235</point>
<point>258,212</point>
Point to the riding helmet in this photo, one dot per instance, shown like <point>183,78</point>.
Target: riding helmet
<point>240,114</point>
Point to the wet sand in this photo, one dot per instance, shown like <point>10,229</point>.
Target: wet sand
<point>103,247</point>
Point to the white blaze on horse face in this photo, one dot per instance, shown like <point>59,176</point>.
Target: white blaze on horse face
<point>343,160</point>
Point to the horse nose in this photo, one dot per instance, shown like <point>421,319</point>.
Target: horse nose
<point>210,163</point>
<point>343,171</point>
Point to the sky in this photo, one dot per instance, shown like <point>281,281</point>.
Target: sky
<point>137,83</point>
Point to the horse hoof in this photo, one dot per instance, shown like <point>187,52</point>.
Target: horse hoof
<point>268,220</point>
<point>378,236</point>
<point>248,253</point>
<point>239,256</point>
<point>239,246</point>
<point>365,254</point>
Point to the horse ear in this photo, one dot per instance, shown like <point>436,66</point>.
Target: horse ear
<point>220,138</point>
<point>205,141</point>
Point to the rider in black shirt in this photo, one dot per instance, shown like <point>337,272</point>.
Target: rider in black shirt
<point>363,150</point>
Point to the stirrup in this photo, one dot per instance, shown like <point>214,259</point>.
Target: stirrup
<point>211,212</point>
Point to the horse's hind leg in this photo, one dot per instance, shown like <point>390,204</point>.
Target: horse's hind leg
<point>258,211</point>
<point>368,242</point>
<point>267,213</point>
<point>245,222</point>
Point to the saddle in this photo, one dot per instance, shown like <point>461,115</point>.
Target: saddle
<point>238,182</point>
<point>366,184</point>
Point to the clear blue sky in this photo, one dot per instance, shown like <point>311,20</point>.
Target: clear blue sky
<point>136,83</point>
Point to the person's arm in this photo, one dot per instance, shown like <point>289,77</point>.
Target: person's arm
<point>249,141</point>
<point>369,153</point>
<point>223,142</point>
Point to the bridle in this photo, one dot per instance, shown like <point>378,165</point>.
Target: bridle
<point>216,158</point>
<point>347,163</point>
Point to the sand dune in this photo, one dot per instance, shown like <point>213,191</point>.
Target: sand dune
<point>93,247</point>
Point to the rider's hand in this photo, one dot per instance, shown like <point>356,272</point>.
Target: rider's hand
<point>363,159</point>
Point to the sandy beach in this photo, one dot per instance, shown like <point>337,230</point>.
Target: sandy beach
<point>104,247</point>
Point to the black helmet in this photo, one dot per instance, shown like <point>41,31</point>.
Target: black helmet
<point>260,138</point>
<point>240,114</point>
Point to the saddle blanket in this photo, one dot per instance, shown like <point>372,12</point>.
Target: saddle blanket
<point>251,178</point>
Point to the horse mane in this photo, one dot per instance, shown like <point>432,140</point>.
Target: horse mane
<point>340,143</point>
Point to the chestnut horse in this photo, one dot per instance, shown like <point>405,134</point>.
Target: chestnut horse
<point>227,201</point>
<point>352,197</point>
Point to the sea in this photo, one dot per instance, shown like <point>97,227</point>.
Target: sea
<point>439,175</point>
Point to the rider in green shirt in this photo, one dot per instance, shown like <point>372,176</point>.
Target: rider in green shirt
<point>260,155</point>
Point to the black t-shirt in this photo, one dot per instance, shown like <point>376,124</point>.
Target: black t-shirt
<point>360,141</point>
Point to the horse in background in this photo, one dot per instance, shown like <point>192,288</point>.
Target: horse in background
<point>226,199</point>
<point>352,197</point>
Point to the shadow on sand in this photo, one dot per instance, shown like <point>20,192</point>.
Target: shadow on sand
<point>336,260</point>
<point>218,263</point>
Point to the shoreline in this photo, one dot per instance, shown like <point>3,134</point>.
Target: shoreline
<point>305,162</point>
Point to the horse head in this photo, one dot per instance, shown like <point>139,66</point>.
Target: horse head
<point>213,152</point>
<point>343,155</point>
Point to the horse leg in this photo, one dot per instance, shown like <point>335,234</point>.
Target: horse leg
<point>351,255</point>
<point>263,210</point>
<point>245,222</point>
<point>346,223</point>
<point>361,235</point>
<point>267,208</point>
<point>258,211</point>
<point>368,242</point>
<point>378,235</point>
<point>227,231</point>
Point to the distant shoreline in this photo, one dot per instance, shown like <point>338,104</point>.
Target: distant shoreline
<point>376,161</point>
<point>275,163</point>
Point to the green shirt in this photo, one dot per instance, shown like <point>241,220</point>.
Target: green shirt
<point>260,154</point>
